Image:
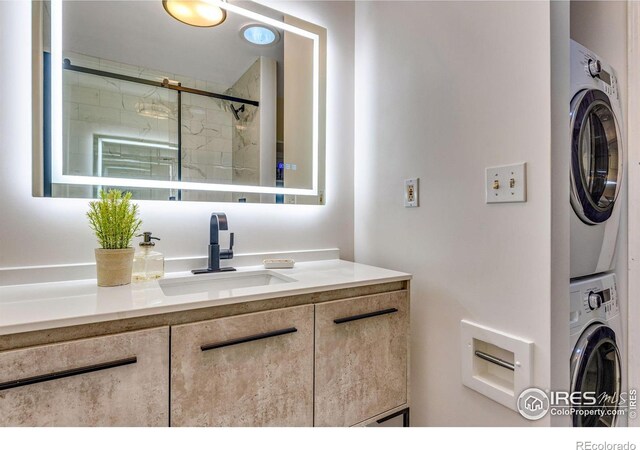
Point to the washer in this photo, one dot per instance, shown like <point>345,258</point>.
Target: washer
<point>597,358</point>
<point>596,162</point>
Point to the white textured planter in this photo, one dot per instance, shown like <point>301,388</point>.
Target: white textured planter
<point>114,266</point>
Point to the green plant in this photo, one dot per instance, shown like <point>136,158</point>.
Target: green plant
<point>114,219</point>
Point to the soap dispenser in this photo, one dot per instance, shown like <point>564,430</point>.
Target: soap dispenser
<point>147,263</point>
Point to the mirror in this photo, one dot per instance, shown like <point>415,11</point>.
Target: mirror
<point>160,99</point>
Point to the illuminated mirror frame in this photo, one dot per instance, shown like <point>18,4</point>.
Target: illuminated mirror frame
<point>58,177</point>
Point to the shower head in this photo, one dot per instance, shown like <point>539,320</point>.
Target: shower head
<point>236,111</point>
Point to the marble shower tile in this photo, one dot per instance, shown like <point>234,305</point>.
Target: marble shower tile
<point>98,114</point>
<point>111,100</point>
<point>81,94</point>
<point>99,83</point>
<point>70,78</point>
<point>70,111</point>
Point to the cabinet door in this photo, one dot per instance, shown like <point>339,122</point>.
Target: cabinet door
<point>249,370</point>
<point>117,380</point>
<point>361,355</point>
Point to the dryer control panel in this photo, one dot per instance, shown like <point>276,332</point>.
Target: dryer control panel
<point>594,298</point>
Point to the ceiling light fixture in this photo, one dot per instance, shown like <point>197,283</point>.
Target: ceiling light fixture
<point>260,34</point>
<point>198,13</point>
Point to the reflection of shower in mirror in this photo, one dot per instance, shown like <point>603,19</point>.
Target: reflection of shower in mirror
<point>240,125</point>
<point>155,110</point>
<point>170,123</point>
<point>236,111</point>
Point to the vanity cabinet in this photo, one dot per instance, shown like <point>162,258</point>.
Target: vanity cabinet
<point>116,380</point>
<point>361,356</point>
<point>248,370</point>
<point>337,357</point>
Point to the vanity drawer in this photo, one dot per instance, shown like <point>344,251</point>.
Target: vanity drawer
<point>361,356</point>
<point>249,370</point>
<point>116,380</point>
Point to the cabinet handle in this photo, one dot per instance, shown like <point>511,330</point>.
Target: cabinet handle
<point>67,373</point>
<point>365,316</point>
<point>255,337</point>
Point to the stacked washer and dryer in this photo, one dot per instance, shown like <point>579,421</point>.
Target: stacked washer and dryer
<point>597,154</point>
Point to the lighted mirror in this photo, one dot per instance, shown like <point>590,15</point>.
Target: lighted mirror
<point>178,100</point>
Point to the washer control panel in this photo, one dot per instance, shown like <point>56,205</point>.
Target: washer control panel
<point>595,69</point>
<point>593,298</point>
<point>596,299</point>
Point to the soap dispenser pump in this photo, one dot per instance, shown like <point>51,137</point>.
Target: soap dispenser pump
<point>147,263</point>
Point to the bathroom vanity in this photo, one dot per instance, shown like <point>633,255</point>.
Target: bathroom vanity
<point>323,344</point>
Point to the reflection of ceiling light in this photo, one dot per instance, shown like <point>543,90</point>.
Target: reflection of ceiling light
<point>154,110</point>
<point>259,34</point>
<point>199,13</point>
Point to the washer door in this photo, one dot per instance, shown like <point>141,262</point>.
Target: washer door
<point>596,368</point>
<point>595,157</point>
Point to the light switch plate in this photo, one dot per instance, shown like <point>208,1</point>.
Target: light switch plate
<point>507,184</point>
<point>411,193</point>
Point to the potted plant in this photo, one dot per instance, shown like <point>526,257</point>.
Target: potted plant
<point>114,219</point>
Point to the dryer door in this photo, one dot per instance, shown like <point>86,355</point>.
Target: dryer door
<point>596,369</point>
<point>595,156</point>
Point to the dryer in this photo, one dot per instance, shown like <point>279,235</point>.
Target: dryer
<point>597,157</point>
<point>597,358</point>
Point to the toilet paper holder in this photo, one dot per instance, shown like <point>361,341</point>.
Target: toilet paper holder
<point>495,360</point>
<point>496,364</point>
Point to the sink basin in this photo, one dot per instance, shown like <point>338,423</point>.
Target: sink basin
<point>217,283</point>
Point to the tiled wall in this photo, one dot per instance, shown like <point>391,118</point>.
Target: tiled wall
<point>246,133</point>
<point>95,105</point>
<point>206,144</point>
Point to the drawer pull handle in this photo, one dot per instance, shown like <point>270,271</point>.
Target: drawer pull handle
<point>67,373</point>
<point>255,337</point>
<point>365,316</point>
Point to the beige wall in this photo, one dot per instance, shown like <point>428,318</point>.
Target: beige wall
<point>445,89</point>
<point>42,231</point>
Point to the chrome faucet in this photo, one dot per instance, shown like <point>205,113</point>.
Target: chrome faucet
<point>218,222</point>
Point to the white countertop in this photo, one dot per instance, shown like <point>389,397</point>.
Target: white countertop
<point>41,306</point>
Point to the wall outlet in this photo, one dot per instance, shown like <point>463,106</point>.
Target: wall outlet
<point>411,193</point>
<point>507,184</point>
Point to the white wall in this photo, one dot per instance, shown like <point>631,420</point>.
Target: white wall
<point>445,89</point>
<point>36,231</point>
<point>633,139</point>
<point>560,208</point>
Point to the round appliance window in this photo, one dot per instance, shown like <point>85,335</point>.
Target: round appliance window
<point>595,157</point>
<point>596,372</point>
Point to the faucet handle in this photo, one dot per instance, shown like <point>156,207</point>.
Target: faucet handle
<point>228,254</point>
